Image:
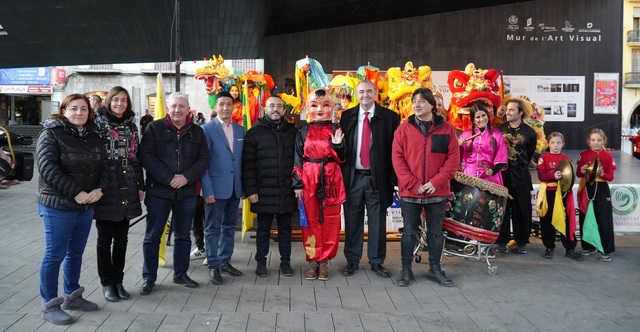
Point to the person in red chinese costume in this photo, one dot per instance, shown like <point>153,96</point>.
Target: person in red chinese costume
<point>317,181</point>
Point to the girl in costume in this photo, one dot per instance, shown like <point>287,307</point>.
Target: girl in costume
<point>317,181</point>
<point>594,196</point>
<point>548,202</point>
<point>482,148</point>
<point>236,116</point>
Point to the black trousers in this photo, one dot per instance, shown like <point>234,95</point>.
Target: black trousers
<point>603,210</point>
<point>284,236</point>
<point>548,232</point>
<point>518,213</point>
<point>111,259</point>
<point>360,195</point>
<point>198,223</point>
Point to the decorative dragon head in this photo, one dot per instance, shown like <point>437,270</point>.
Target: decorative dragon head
<point>470,87</point>
<point>402,84</point>
<point>212,73</point>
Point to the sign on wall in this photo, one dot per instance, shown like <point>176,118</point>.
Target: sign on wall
<point>561,97</point>
<point>25,76</point>
<point>605,93</point>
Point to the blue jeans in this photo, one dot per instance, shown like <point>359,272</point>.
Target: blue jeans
<point>221,218</point>
<point>158,209</point>
<point>435,237</point>
<point>65,237</point>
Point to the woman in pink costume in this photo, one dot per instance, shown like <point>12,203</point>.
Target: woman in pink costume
<point>317,180</point>
<point>482,148</point>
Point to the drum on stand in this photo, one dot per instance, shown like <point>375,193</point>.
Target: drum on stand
<point>476,210</point>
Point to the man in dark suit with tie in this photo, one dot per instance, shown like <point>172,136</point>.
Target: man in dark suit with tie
<point>368,178</point>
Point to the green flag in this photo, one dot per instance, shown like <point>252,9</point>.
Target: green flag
<point>590,232</point>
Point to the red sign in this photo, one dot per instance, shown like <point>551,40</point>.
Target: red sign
<point>61,75</point>
<point>39,89</point>
<point>27,89</point>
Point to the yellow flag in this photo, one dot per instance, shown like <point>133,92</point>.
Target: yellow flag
<point>559,215</point>
<point>247,215</point>
<point>162,254</point>
<point>160,105</point>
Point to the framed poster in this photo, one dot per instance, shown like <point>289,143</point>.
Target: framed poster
<point>605,93</point>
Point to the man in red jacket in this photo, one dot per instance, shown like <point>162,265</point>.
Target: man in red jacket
<point>425,157</point>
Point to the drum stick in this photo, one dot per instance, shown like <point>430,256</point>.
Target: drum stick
<point>472,137</point>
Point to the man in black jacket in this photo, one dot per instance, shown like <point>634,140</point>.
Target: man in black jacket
<point>267,162</point>
<point>368,178</point>
<point>175,155</point>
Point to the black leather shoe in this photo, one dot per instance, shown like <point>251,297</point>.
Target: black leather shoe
<point>147,287</point>
<point>215,277</point>
<point>380,271</point>
<point>122,293</point>
<point>110,293</point>
<point>350,269</point>
<point>230,270</point>
<point>185,281</point>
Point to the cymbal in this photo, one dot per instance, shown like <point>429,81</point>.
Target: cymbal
<point>568,174</point>
<point>592,170</point>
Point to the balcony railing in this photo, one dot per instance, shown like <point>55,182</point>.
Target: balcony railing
<point>159,67</point>
<point>101,67</point>
<point>632,79</point>
<point>633,37</point>
<point>97,69</point>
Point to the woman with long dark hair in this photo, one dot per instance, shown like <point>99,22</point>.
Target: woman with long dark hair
<point>121,201</point>
<point>482,148</point>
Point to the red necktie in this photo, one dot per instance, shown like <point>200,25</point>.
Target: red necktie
<point>365,143</point>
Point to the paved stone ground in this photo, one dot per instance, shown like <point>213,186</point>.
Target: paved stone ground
<point>528,293</point>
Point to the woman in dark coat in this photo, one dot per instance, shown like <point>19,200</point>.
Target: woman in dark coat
<point>121,201</point>
<point>71,159</point>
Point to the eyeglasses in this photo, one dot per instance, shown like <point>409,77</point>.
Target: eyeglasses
<point>276,106</point>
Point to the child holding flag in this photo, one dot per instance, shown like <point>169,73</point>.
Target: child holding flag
<point>555,206</point>
<point>596,167</point>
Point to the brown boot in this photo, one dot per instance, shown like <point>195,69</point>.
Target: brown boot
<point>323,273</point>
<point>312,270</point>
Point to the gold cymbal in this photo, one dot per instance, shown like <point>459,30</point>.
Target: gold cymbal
<point>568,174</point>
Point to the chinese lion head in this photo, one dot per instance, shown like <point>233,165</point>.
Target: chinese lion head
<point>469,87</point>
<point>402,84</point>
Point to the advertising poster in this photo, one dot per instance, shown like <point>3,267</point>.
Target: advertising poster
<point>561,97</point>
<point>605,94</point>
<point>25,76</point>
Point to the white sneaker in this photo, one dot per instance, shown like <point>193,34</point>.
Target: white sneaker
<point>204,262</point>
<point>197,254</point>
